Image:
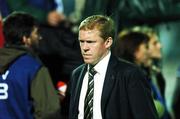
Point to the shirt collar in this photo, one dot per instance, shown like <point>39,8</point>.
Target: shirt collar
<point>101,66</point>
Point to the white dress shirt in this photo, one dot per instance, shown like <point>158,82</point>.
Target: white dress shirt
<point>99,77</point>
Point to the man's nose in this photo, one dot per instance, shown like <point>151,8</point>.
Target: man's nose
<point>85,46</point>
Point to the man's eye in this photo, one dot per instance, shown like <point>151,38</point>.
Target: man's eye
<point>90,41</point>
<point>81,41</point>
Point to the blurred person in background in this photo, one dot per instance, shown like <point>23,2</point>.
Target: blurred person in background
<point>1,33</point>
<point>45,11</point>
<point>132,47</point>
<point>126,42</point>
<point>59,48</point>
<point>4,9</point>
<point>153,67</point>
<point>26,88</point>
<point>176,96</point>
<point>3,12</point>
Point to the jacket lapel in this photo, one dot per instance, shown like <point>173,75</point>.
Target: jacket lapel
<point>108,83</point>
<point>79,86</point>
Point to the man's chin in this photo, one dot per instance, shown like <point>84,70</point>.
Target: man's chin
<point>87,61</point>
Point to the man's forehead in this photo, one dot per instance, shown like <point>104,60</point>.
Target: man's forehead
<point>90,31</point>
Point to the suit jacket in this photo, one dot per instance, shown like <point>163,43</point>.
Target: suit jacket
<point>126,93</point>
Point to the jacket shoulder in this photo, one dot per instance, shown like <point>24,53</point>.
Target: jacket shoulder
<point>78,69</point>
<point>124,64</point>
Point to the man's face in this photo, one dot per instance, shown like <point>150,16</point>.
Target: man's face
<point>93,47</point>
<point>154,48</point>
<point>34,37</point>
<point>141,55</point>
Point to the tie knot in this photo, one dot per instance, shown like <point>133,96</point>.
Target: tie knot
<point>92,71</point>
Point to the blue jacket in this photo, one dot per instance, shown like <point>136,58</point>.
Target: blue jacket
<point>26,89</point>
<point>14,83</point>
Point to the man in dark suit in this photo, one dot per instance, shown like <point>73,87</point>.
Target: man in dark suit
<point>118,90</point>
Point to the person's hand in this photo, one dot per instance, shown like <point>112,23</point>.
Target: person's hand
<point>54,18</point>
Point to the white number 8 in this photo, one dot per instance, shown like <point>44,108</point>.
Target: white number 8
<point>3,91</point>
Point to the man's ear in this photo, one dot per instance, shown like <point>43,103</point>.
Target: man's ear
<point>109,42</point>
<point>26,41</point>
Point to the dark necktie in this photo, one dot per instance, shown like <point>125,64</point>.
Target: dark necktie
<point>88,102</point>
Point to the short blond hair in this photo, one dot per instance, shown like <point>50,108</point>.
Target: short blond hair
<point>102,23</point>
